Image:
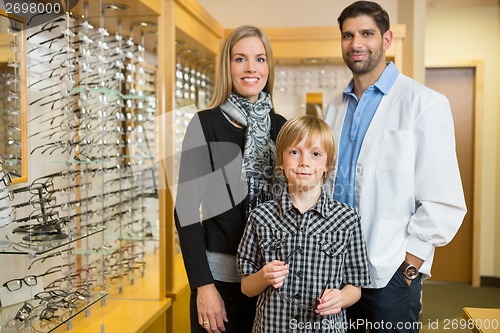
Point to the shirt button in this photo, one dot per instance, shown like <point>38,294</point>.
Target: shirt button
<point>299,274</point>
<point>359,170</point>
<point>357,189</point>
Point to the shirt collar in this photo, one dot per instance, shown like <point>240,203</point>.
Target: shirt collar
<point>322,206</point>
<point>383,84</point>
<point>286,202</point>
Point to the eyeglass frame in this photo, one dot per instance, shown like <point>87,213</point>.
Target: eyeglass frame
<point>293,301</point>
<point>24,312</point>
<point>5,176</point>
<point>62,253</point>
<point>27,279</point>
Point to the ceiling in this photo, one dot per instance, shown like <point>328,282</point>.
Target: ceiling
<point>279,13</point>
<point>300,13</point>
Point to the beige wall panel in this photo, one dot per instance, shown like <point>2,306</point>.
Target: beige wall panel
<point>469,42</point>
<point>207,36</point>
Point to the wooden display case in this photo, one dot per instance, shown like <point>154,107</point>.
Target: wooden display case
<point>191,27</point>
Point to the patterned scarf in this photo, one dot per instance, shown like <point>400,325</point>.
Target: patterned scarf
<point>258,154</point>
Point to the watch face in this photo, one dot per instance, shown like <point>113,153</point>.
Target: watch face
<point>411,272</point>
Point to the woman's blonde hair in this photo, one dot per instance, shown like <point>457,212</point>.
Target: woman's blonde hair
<point>310,128</point>
<point>223,83</point>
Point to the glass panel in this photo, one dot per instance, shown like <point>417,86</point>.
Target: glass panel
<point>13,98</point>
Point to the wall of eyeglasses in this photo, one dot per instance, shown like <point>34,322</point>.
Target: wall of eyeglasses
<point>194,85</point>
<point>10,127</point>
<point>293,82</point>
<point>80,229</point>
<point>194,81</point>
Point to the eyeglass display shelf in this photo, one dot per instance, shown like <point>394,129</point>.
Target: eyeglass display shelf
<point>41,247</point>
<point>35,325</point>
<point>110,92</point>
<point>138,237</point>
<point>104,250</point>
<point>97,160</point>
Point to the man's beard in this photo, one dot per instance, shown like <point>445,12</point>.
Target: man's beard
<point>364,66</point>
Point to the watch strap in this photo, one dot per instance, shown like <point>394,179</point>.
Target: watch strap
<point>403,268</point>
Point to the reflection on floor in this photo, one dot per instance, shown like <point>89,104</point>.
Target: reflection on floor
<point>442,305</point>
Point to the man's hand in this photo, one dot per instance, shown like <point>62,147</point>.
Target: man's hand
<point>415,261</point>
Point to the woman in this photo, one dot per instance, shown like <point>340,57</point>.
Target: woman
<point>227,168</point>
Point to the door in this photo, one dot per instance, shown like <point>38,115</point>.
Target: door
<point>453,262</point>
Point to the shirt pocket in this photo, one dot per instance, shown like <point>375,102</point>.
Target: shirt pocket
<point>274,245</point>
<point>397,151</point>
<point>330,262</point>
<point>332,244</point>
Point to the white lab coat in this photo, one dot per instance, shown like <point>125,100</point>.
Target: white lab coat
<point>408,188</point>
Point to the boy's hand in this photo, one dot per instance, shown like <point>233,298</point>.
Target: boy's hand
<point>275,272</point>
<point>330,302</point>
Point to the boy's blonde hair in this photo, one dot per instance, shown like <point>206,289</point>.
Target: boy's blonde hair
<point>310,128</point>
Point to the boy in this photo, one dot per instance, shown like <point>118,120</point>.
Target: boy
<point>303,254</point>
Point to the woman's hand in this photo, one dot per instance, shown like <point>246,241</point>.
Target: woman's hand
<point>211,310</point>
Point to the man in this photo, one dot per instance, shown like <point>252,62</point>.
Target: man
<point>397,165</point>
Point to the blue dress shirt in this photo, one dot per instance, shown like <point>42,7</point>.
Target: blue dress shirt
<point>357,120</point>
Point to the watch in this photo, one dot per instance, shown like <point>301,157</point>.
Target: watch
<point>409,271</point>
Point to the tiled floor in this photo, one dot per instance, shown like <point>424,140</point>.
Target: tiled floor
<point>442,305</point>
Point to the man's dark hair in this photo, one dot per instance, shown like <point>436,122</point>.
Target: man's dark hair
<point>368,8</point>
